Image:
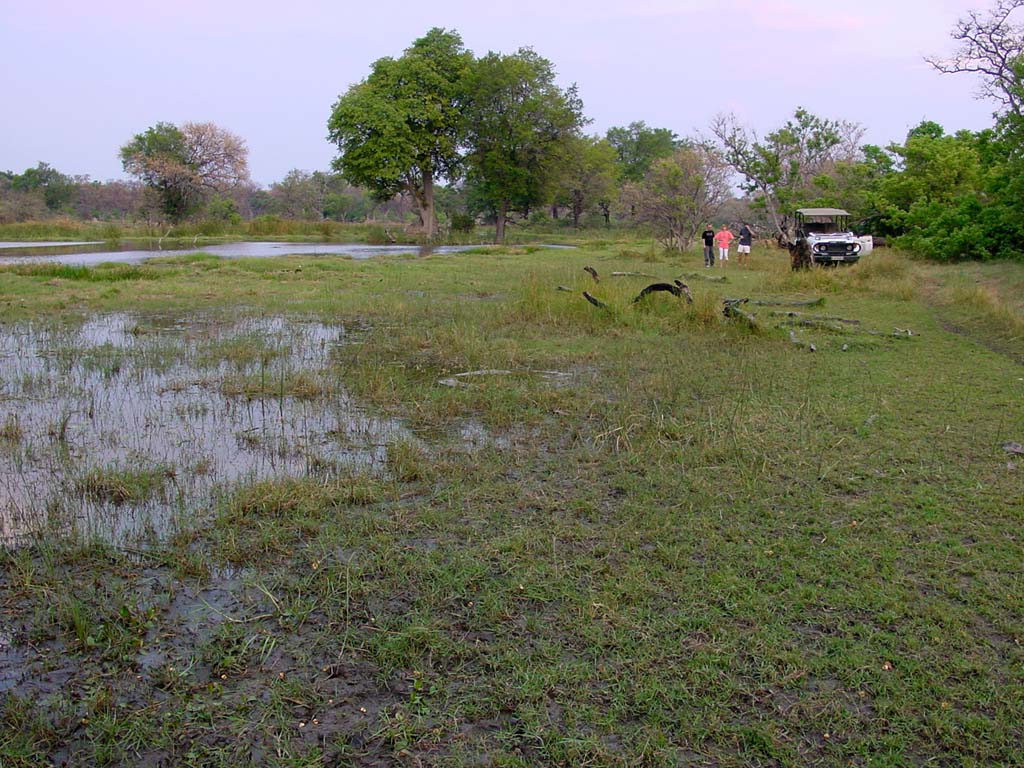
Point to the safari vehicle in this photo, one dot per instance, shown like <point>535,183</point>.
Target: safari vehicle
<point>828,234</point>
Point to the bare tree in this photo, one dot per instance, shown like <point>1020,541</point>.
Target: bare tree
<point>780,170</point>
<point>993,47</point>
<point>680,193</point>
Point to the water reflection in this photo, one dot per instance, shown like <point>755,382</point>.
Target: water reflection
<point>196,406</point>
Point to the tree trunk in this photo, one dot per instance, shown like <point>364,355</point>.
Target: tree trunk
<point>577,208</point>
<point>499,222</point>
<point>427,206</point>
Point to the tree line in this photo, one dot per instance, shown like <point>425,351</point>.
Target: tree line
<point>455,140</point>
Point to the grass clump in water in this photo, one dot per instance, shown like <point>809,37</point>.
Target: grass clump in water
<point>124,486</point>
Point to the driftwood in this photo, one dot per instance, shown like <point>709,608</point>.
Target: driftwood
<point>812,323</point>
<point>593,273</point>
<point>732,310</point>
<point>898,333</point>
<point>564,289</point>
<point>596,302</point>
<point>820,302</point>
<point>709,278</point>
<point>832,318</point>
<point>633,274</point>
<point>676,288</point>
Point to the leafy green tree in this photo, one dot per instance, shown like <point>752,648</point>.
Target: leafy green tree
<point>518,122</point>
<point>185,166</point>
<point>782,171</point>
<point>953,197</point>
<point>400,129</point>
<point>56,188</point>
<point>588,177</point>
<point>637,146</point>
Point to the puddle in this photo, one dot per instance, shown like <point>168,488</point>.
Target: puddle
<point>76,254</point>
<point>127,426</point>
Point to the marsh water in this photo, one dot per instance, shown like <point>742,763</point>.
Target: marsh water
<point>186,409</point>
<point>129,252</point>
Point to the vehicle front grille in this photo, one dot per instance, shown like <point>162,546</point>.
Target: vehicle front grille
<point>833,249</point>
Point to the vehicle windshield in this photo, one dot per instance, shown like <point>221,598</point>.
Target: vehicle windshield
<point>822,227</point>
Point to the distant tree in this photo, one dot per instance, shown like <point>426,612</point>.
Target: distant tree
<point>638,146</point>
<point>518,122</point>
<point>681,193</point>
<point>400,129</point>
<point>108,200</point>
<point>185,165</point>
<point>588,176</point>
<point>56,188</point>
<point>781,171</point>
<point>298,195</point>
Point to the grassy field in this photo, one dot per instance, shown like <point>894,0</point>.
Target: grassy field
<point>643,535</point>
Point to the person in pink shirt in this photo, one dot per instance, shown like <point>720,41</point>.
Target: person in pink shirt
<point>724,239</point>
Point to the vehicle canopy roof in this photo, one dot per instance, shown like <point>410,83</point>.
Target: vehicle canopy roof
<point>822,213</point>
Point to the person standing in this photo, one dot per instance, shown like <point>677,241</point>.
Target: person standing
<point>708,235</point>
<point>724,239</point>
<point>746,241</point>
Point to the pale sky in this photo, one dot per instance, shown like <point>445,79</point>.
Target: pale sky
<point>79,78</point>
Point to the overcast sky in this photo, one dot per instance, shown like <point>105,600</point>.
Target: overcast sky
<point>79,78</point>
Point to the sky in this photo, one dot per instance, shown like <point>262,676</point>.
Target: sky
<point>79,79</point>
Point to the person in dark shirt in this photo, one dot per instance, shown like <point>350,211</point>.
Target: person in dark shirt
<point>709,245</point>
<point>746,240</point>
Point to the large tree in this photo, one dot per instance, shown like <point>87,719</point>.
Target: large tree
<point>186,165</point>
<point>400,129</point>
<point>518,122</point>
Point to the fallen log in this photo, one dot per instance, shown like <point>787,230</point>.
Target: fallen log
<point>833,318</point>
<point>709,278</point>
<point>564,289</point>
<point>596,302</point>
<point>732,311</point>
<point>686,290</point>
<point>634,274</point>
<point>812,323</point>
<point>655,287</point>
<point>819,302</point>
<point>593,273</point>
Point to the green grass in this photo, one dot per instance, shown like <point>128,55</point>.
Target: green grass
<point>699,544</point>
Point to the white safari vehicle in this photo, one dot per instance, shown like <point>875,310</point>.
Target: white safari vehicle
<point>828,234</point>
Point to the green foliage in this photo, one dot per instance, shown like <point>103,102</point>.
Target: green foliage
<point>588,176</point>
<point>637,146</point>
<point>400,129</point>
<point>954,197</point>
<point>56,188</point>
<point>518,123</point>
<point>158,157</point>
